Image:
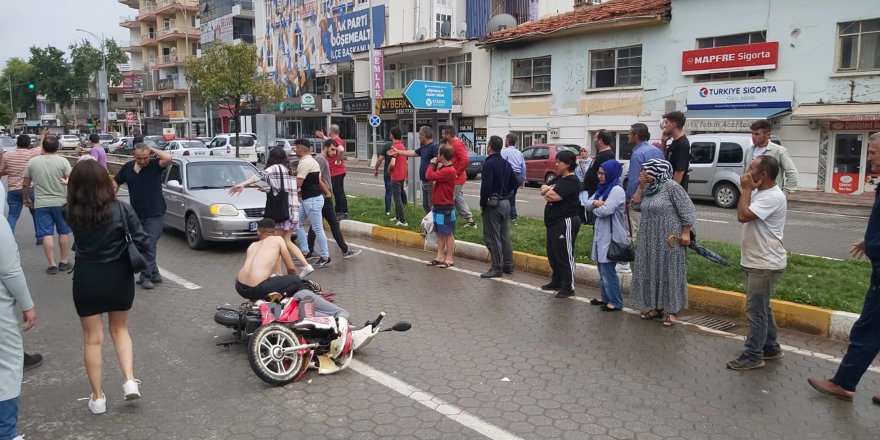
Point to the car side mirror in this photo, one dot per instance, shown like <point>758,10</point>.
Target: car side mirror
<point>174,184</point>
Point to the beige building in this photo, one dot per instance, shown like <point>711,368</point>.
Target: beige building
<point>163,34</point>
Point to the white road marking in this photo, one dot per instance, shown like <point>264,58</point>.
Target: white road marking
<point>435,403</point>
<point>788,348</point>
<point>372,184</point>
<point>178,279</point>
<point>819,256</point>
<point>828,214</point>
<point>712,221</point>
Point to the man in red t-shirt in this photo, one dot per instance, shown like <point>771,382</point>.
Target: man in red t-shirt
<point>397,169</point>
<point>337,170</point>
<point>460,162</point>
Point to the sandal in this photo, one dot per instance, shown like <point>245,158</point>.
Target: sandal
<point>669,321</point>
<point>444,265</point>
<point>651,314</point>
<point>449,264</point>
<point>434,263</point>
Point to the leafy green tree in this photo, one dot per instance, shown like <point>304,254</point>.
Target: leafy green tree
<point>6,114</point>
<point>16,75</point>
<point>87,59</point>
<point>52,75</point>
<point>228,75</point>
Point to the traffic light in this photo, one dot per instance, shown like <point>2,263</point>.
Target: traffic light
<point>31,86</point>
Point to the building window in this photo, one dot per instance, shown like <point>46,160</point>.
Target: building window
<point>439,19</point>
<point>616,67</point>
<point>531,75</point>
<point>456,70</point>
<point>858,45</point>
<point>391,76</point>
<point>414,71</point>
<point>731,40</point>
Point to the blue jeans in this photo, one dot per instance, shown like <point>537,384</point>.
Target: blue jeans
<point>762,333</point>
<point>153,228</point>
<point>8,419</point>
<point>610,285</point>
<point>16,202</point>
<point>864,339</point>
<point>311,210</point>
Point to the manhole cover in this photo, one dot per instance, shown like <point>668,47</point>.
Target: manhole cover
<point>710,322</point>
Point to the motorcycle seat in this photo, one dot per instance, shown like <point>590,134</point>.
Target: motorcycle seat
<point>317,324</point>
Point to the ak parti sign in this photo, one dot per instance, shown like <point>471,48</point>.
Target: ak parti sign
<point>741,57</point>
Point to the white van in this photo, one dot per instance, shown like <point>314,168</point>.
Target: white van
<point>224,145</point>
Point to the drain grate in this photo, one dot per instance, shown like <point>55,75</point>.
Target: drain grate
<point>710,322</point>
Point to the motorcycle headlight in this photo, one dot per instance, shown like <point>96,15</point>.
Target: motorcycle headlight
<point>224,210</point>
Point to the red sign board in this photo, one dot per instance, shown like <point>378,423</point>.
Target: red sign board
<point>742,57</point>
<point>854,125</point>
<point>845,183</point>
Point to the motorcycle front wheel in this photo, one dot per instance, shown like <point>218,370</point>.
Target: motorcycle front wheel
<point>267,358</point>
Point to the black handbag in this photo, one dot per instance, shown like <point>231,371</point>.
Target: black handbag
<point>138,264</point>
<point>622,253</point>
<point>277,204</point>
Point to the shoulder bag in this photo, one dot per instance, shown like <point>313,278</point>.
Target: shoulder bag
<point>277,203</point>
<point>621,253</point>
<point>138,264</point>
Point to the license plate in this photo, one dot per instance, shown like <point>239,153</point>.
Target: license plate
<point>252,226</point>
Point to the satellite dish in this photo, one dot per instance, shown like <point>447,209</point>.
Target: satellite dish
<point>421,35</point>
<point>462,29</point>
<point>500,22</point>
<point>445,28</point>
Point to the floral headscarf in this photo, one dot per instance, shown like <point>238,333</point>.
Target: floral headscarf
<point>659,171</point>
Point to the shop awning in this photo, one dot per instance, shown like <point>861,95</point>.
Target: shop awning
<point>737,113</point>
<point>838,112</point>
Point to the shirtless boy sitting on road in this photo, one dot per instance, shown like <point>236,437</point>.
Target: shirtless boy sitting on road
<point>254,280</point>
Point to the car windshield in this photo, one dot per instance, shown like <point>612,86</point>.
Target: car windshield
<point>217,175</point>
<point>7,143</point>
<point>105,137</point>
<point>571,148</point>
<point>192,144</point>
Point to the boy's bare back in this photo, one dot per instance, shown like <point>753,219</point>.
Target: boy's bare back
<point>261,259</point>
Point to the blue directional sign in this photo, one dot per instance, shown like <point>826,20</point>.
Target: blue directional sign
<point>429,95</point>
<point>375,120</point>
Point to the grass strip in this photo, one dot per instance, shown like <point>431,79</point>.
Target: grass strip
<point>836,285</point>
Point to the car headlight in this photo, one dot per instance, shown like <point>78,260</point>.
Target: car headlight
<point>223,209</point>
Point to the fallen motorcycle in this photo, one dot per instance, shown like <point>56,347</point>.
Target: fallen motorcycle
<point>285,338</point>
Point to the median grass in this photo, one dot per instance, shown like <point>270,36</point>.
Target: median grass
<point>837,285</point>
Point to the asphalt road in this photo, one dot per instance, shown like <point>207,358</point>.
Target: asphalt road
<point>495,359</point>
<point>811,229</point>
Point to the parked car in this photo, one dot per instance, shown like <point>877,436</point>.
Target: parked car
<point>717,161</point>
<point>118,143</point>
<point>224,145</point>
<point>187,147</point>
<point>541,161</point>
<point>68,142</point>
<point>106,139</point>
<point>287,145</point>
<point>7,144</point>
<point>204,139</point>
<point>35,140</point>
<point>475,164</point>
<point>199,204</point>
<point>127,146</point>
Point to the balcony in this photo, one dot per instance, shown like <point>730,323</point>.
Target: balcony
<point>168,60</point>
<point>167,88</point>
<point>173,31</point>
<point>147,13</point>
<point>150,63</point>
<point>130,45</point>
<point>125,105</point>
<point>129,21</point>
<point>129,3</point>
<point>172,6</point>
<point>148,39</point>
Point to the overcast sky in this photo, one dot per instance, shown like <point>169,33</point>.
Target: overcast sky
<point>26,23</point>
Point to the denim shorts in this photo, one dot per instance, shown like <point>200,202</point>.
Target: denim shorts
<point>49,220</point>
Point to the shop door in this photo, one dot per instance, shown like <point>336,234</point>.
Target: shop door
<point>294,129</point>
<point>847,170</point>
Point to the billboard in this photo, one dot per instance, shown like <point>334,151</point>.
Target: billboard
<point>132,83</point>
<point>741,57</point>
<point>301,37</point>
<point>770,94</point>
<point>219,29</point>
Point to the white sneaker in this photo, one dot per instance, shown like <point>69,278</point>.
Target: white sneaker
<point>130,387</point>
<point>98,406</point>
<point>20,437</point>
<point>400,223</point>
<point>304,272</point>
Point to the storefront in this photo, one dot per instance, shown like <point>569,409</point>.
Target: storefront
<point>302,116</point>
<point>845,131</point>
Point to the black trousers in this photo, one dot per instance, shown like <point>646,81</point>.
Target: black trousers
<point>283,284</point>
<point>339,193</point>
<point>864,339</point>
<point>329,214</point>
<point>560,252</point>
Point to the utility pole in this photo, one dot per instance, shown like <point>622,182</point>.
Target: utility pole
<point>372,92</point>
<point>101,81</point>
<point>11,107</point>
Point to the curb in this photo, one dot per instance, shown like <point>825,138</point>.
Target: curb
<point>810,319</point>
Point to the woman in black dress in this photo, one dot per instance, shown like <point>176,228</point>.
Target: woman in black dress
<point>103,279</point>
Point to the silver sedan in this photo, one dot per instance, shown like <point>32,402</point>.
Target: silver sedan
<point>199,204</point>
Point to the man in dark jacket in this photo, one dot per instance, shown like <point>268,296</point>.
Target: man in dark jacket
<point>604,153</point>
<point>499,181</point>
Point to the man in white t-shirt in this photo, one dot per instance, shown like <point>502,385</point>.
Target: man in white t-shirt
<point>761,210</point>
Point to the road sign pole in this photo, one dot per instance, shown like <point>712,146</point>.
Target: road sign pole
<point>415,192</point>
<point>372,92</point>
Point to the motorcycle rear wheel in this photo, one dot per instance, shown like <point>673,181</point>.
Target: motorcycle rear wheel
<point>266,358</point>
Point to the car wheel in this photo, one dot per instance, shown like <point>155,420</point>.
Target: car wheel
<point>549,178</point>
<point>194,233</point>
<point>471,176</point>
<point>726,195</point>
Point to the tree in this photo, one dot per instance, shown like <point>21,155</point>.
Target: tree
<point>227,74</point>
<point>6,115</point>
<point>52,76</point>
<point>87,59</point>
<point>16,75</point>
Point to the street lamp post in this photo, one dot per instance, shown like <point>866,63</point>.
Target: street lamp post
<point>102,86</point>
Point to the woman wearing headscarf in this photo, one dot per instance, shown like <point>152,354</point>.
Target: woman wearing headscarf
<point>608,204</point>
<point>563,223</point>
<point>660,276</point>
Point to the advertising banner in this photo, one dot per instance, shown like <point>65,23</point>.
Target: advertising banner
<point>771,94</point>
<point>741,57</point>
<point>378,82</point>
<point>219,29</point>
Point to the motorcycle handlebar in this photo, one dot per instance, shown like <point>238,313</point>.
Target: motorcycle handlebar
<point>375,322</point>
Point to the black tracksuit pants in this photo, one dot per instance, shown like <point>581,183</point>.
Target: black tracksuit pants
<point>560,252</point>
